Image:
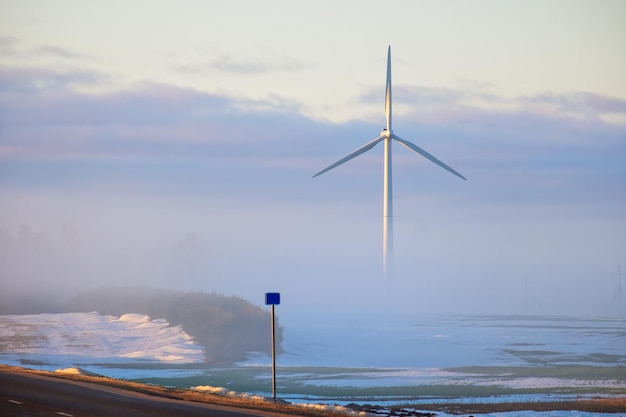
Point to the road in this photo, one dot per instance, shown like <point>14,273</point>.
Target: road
<point>30,395</point>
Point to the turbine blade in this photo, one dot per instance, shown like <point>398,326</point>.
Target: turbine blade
<point>388,91</point>
<point>369,145</point>
<point>426,155</point>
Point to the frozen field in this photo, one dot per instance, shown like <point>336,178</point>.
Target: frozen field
<point>452,341</point>
<point>377,359</point>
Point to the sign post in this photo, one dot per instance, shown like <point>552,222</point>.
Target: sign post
<point>272,299</point>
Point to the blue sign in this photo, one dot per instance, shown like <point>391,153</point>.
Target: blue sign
<point>272,298</point>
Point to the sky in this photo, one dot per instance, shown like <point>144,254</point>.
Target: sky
<point>172,144</point>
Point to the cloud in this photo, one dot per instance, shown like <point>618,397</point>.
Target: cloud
<point>8,46</point>
<point>13,47</point>
<point>159,120</point>
<point>156,133</point>
<point>42,104</point>
<point>55,52</point>
<point>426,96</point>
<point>581,105</point>
<point>224,62</point>
<point>35,80</point>
<point>445,104</point>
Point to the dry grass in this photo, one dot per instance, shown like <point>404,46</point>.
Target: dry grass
<point>599,405</point>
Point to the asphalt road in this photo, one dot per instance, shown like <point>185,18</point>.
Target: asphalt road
<point>23,395</point>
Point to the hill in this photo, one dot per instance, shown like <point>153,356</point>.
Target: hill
<point>227,327</point>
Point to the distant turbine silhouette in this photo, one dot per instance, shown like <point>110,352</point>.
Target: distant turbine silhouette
<point>387,135</point>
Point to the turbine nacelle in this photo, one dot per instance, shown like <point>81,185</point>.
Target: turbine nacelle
<point>387,134</point>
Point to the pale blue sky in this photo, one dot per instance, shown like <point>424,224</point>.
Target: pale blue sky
<point>177,140</point>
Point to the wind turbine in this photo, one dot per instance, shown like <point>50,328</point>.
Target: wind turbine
<point>387,136</point>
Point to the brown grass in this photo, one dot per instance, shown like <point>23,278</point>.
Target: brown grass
<point>599,405</point>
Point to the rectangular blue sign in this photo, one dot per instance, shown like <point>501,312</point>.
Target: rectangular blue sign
<point>272,298</point>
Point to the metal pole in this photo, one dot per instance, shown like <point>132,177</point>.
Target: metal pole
<point>273,357</point>
<point>387,214</point>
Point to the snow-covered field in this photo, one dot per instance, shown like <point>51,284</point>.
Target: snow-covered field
<point>49,341</point>
<point>333,361</point>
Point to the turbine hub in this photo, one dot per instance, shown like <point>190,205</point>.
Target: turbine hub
<point>386,133</point>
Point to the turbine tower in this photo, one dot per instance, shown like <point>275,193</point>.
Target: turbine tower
<point>387,136</point>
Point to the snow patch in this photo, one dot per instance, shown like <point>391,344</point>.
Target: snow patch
<point>70,339</point>
<point>211,390</point>
<point>223,391</point>
<point>70,371</point>
<point>335,408</point>
<point>76,371</point>
<point>134,318</point>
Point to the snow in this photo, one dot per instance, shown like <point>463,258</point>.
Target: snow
<point>72,339</point>
<point>223,391</point>
<point>210,389</point>
<point>70,371</point>
<point>335,408</point>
